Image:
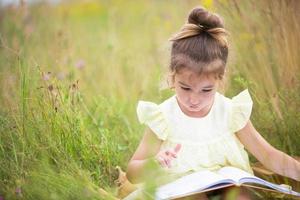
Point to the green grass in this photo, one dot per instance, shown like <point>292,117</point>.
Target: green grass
<point>63,133</point>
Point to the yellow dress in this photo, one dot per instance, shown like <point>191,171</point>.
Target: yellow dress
<point>209,142</point>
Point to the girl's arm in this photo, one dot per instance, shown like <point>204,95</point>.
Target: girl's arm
<point>147,149</point>
<point>275,160</point>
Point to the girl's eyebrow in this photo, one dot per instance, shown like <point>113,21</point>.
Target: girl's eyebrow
<point>183,83</point>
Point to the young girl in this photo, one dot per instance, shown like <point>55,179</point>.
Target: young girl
<point>199,128</point>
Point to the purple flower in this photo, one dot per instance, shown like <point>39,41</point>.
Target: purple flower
<point>1,198</point>
<point>47,76</point>
<point>18,190</point>
<point>80,64</point>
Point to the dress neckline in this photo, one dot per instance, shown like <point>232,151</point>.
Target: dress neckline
<point>195,118</point>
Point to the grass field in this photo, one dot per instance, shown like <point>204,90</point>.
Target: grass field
<point>71,75</point>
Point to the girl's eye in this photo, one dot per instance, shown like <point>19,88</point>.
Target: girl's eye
<point>184,88</point>
<point>207,90</point>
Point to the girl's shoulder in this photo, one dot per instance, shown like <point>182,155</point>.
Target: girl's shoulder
<point>241,98</point>
<point>165,106</point>
<point>156,115</point>
<point>234,111</point>
<point>240,108</point>
<point>168,105</point>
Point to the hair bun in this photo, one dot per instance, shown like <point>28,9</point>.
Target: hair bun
<point>200,16</point>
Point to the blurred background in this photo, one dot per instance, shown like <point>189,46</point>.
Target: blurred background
<point>71,73</point>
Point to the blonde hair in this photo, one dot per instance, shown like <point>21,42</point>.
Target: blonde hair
<point>189,30</point>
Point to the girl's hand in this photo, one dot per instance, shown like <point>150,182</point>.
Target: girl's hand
<point>165,158</point>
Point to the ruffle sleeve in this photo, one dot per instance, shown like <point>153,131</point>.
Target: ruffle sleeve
<point>150,114</point>
<point>241,111</point>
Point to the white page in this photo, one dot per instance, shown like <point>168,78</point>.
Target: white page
<point>193,182</point>
<point>244,177</point>
<point>235,173</point>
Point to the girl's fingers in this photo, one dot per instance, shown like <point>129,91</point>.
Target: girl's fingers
<point>164,161</point>
<point>177,148</point>
<point>165,158</point>
<point>168,162</point>
<point>171,154</point>
<point>161,161</point>
<point>167,153</point>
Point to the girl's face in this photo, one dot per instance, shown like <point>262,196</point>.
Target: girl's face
<point>194,93</point>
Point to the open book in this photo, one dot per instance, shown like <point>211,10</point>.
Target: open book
<point>206,180</point>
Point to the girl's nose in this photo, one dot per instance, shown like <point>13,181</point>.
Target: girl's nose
<point>194,99</point>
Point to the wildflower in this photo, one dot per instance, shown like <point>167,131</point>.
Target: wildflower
<point>80,64</point>
<point>18,191</point>
<point>1,198</point>
<point>46,76</point>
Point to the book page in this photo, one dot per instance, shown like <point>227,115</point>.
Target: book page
<point>274,186</point>
<point>189,184</point>
<point>234,173</point>
<point>241,177</point>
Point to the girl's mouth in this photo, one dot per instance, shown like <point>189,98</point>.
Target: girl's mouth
<point>194,106</point>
